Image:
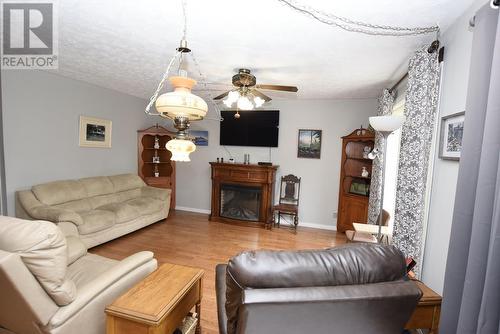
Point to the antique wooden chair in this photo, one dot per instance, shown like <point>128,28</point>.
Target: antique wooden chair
<point>289,200</point>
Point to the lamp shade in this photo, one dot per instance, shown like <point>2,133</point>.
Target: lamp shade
<point>388,123</point>
<point>181,102</point>
<point>180,149</point>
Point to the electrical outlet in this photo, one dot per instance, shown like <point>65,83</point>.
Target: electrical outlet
<point>334,215</point>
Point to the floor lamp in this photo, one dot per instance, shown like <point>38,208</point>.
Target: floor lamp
<point>385,125</point>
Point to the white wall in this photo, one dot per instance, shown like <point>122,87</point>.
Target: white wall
<point>41,123</point>
<point>320,178</point>
<point>457,41</point>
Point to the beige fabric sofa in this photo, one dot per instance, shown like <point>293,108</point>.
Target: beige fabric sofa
<point>96,209</point>
<point>50,284</point>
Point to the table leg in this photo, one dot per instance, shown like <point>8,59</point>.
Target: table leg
<point>198,311</point>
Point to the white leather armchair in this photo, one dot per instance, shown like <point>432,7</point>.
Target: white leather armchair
<point>50,284</point>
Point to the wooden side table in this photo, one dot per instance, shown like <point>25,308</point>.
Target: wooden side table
<point>426,315</point>
<point>157,304</point>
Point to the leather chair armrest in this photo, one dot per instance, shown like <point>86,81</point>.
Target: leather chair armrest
<point>220,292</point>
<point>159,193</point>
<point>55,215</point>
<point>76,248</point>
<point>107,280</point>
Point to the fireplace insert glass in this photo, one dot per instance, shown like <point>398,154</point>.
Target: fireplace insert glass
<point>240,202</point>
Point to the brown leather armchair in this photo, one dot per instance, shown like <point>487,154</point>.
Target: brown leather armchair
<point>356,288</point>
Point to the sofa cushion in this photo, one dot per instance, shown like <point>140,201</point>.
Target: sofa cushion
<point>95,186</point>
<point>123,211</point>
<point>42,247</point>
<point>59,192</point>
<point>126,182</point>
<point>146,205</point>
<point>96,220</point>
<point>87,268</point>
<point>80,205</point>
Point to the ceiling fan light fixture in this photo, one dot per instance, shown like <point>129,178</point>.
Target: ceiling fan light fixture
<point>244,103</point>
<point>258,101</point>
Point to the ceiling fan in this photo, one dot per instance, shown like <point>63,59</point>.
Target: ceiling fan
<point>245,94</point>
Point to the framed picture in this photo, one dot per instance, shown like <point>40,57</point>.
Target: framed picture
<point>309,144</point>
<point>200,137</point>
<point>95,132</point>
<point>360,188</point>
<point>452,131</point>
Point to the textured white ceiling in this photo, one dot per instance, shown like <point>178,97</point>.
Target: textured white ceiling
<point>125,45</point>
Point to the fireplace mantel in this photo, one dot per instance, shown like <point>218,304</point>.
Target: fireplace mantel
<point>250,175</point>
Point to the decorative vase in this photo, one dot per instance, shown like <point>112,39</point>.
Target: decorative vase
<point>364,172</point>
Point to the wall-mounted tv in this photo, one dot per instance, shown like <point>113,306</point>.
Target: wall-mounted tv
<point>252,128</point>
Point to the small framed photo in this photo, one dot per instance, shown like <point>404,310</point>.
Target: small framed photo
<point>360,187</point>
<point>200,137</point>
<point>309,144</point>
<point>451,135</point>
<point>95,132</point>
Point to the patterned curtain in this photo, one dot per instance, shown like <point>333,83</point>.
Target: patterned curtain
<point>385,104</point>
<point>420,110</point>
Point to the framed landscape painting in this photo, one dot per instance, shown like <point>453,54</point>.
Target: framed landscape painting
<point>200,137</point>
<point>452,131</point>
<point>95,132</point>
<point>309,144</point>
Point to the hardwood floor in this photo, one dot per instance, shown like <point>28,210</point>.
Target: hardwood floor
<point>190,239</point>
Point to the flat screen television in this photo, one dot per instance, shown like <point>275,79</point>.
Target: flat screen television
<point>253,128</point>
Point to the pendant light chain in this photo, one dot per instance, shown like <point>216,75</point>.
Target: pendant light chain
<point>160,86</point>
<point>204,84</point>
<point>357,26</point>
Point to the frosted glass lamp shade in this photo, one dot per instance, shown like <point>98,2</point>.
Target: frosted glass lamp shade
<point>180,149</point>
<point>388,123</point>
<point>181,102</point>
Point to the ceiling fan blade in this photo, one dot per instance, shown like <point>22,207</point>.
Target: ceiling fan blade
<point>263,96</point>
<point>221,96</point>
<point>278,87</point>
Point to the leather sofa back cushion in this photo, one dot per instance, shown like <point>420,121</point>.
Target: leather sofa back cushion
<point>126,182</point>
<point>42,247</point>
<point>344,265</point>
<point>95,186</point>
<point>59,192</point>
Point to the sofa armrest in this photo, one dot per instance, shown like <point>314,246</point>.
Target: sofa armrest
<point>28,205</point>
<point>55,215</point>
<point>110,279</point>
<point>220,293</point>
<point>158,193</point>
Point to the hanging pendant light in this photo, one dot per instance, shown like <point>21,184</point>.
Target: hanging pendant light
<point>179,105</point>
<point>181,102</point>
<point>181,146</point>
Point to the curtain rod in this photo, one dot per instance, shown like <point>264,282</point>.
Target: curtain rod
<point>432,48</point>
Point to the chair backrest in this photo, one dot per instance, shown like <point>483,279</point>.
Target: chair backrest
<point>33,266</point>
<point>350,289</point>
<point>24,304</point>
<point>289,189</point>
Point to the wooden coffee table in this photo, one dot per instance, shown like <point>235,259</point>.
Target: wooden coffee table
<point>157,304</point>
<point>426,315</point>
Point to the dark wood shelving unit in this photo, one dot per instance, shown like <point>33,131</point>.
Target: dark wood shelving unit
<point>146,166</point>
<point>354,207</point>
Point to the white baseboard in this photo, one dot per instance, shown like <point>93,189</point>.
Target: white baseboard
<point>185,208</point>
<point>318,226</point>
<point>301,224</point>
